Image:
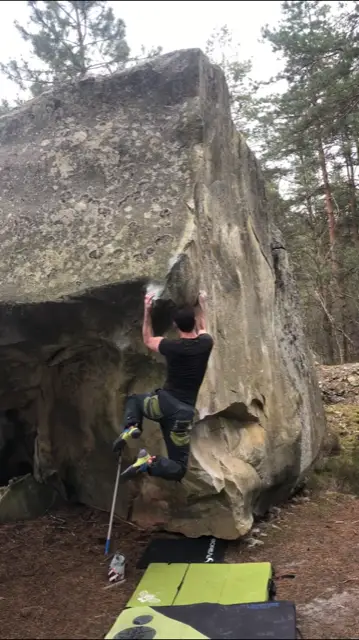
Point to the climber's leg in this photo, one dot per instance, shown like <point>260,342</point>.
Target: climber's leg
<point>142,463</point>
<point>177,438</point>
<point>176,419</point>
<point>138,406</point>
<point>176,426</point>
<point>176,434</point>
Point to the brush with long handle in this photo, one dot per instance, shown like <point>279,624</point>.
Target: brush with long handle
<point>108,539</point>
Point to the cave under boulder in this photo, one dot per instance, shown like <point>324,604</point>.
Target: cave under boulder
<point>110,184</point>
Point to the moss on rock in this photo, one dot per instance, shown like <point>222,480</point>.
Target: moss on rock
<point>338,466</point>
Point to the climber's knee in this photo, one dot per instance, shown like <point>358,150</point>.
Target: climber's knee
<point>180,433</point>
<point>180,475</point>
<point>167,469</point>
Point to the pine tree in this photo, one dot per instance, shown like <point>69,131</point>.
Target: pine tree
<point>314,125</point>
<point>4,107</point>
<point>223,51</point>
<point>67,40</point>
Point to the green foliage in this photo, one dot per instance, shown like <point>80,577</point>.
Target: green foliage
<point>4,107</point>
<point>67,40</point>
<point>315,136</point>
<point>222,51</point>
<point>340,471</point>
<point>307,137</point>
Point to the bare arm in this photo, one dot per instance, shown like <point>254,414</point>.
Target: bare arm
<point>149,339</point>
<point>201,314</point>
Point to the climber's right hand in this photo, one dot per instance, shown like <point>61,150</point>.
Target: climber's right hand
<point>149,298</point>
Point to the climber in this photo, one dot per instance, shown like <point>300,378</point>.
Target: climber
<point>173,406</point>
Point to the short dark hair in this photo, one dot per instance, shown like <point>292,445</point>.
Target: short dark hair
<point>185,319</point>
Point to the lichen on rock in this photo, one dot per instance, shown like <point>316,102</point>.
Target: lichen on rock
<point>109,185</point>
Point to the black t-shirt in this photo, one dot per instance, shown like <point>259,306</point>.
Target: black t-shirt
<point>187,360</point>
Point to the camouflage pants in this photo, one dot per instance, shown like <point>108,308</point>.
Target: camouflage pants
<point>175,419</point>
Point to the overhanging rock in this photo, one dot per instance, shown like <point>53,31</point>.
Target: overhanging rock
<point>113,183</point>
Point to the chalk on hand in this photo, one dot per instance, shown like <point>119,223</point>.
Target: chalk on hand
<point>154,290</point>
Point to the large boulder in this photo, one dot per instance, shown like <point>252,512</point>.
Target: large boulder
<point>24,498</point>
<point>107,186</point>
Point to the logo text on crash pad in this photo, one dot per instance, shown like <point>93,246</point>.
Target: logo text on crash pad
<point>210,552</point>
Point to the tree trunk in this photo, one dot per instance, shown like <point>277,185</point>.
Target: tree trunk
<point>328,332</point>
<point>81,43</point>
<point>335,296</point>
<point>307,194</point>
<point>328,204</point>
<point>349,163</point>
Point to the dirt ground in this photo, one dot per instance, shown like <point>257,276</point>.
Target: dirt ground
<point>53,573</point>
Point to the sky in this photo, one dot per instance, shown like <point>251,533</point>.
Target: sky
<point>172,24</point>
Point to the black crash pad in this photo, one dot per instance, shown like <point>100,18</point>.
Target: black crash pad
<point>183,550</point>
<point>275,620</point>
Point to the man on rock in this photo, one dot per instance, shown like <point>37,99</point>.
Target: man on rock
<point>173,406</point>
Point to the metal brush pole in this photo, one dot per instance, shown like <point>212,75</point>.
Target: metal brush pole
<point>108,539</point>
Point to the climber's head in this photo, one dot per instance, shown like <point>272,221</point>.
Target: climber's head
<point>184,319</point>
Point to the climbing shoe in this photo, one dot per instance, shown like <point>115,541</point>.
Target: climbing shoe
<point>141,465</point>
<point>130,432</point>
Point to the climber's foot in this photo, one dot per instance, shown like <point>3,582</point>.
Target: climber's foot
<point>141,465</point>
<point>129,432</point>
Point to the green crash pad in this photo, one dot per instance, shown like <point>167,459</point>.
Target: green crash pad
<point>225,583</point>
<point>142,619</point>
<point>184,584</point>
<point>159,585</point>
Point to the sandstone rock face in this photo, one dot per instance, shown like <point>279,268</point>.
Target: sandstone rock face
<point>109,185</point>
